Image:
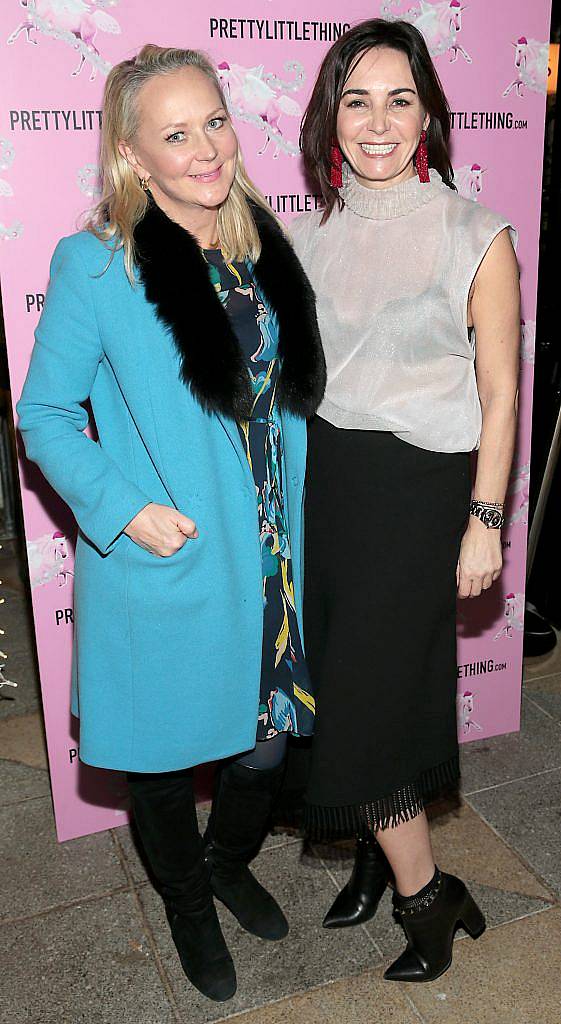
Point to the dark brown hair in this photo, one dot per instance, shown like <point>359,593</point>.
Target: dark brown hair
<point>319,125</point>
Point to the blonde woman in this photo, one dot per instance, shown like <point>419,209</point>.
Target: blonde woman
<point>185,318</point>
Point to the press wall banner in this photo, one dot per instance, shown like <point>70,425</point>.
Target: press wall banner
<point>492,59</point>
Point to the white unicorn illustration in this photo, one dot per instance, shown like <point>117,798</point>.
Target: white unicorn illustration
<point>7,156</point>
<point>466,704</point>
<point>255,97</point>
<point>468,179</point>
<point>76,22</point>
<point>46,556</point>
<point>514,615</point>
<point>519,492</point>
<point>528,340</point>
<point>531,60</point>
<point>440,23</point>
<point>88,180</point>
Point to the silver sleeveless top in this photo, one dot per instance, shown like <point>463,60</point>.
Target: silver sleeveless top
<point>392,273</point>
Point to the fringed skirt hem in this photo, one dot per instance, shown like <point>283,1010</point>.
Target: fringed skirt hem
<point>386,812</point>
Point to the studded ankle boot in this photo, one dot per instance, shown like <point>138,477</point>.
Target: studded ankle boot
<point>430,919</point>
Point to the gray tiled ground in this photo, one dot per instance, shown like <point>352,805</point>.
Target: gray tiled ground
<point>309,956</point>
<point>88,964</point>
<point>548,702</point>
<point>37,872</point>
<point>20,782</point>
<point>504,758</point>
<point>527,815</point>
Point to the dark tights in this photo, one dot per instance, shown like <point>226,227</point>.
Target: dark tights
<point>266,754</point>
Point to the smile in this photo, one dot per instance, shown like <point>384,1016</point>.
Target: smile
<point>378,149</point>
<point>208,177</point>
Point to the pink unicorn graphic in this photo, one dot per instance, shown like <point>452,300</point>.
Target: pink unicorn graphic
<point>7,156</point>
<point>256,97</point>
<point>46,556</point>
<point>514,615</point>
<point>528,341</point>
<point>519,492</point>
<point>468,179</point>
<point>440,22</point>
<point>531,60</point>
<point>466,705</point>
<point>76,22</point>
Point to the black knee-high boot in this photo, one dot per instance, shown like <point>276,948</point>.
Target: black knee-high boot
<point>165,816</point>
<point>241,808</point>
<point>358,900</point>
<point>430,919</point>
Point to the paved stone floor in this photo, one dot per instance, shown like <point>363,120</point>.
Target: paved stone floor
<point>83,936</point>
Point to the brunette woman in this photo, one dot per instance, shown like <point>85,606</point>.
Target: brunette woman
<point>407,275</point>
<point>184,316</point>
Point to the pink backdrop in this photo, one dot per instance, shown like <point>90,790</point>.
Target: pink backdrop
<point>492,58</point>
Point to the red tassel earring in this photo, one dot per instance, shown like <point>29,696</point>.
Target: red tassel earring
<point>422,159</point>
<point>336,177</point>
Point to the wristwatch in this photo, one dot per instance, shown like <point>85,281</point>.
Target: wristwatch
<point>489,512</point>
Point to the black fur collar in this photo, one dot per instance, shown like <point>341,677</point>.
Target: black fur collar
<point>176,280</point>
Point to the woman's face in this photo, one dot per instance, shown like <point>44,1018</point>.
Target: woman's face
<point>185,143</point>
<point>380,118</point>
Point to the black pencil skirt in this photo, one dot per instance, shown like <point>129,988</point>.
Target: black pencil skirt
<point>383,525</point>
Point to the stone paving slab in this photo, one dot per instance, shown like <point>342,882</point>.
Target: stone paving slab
<point>548,700</point>
<point>545,665</point>
<point>20,782</point>
<point>361,998</point>
<point>22,738</point>
<point>501,759</point>
<point>38,872</point>
<point>527,815</point>
<point>87,964</point>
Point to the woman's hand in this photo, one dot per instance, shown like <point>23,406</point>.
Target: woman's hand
<point>161,530</point>
<point>481,559</point>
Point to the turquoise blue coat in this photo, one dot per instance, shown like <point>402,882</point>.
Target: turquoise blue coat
<point>167,651</point>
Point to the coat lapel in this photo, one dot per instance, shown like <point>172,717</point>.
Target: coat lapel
<point>176,281</point>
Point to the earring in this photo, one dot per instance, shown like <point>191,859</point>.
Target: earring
<point>422,159</point>
<point>336,176</point>
<point>144,184</point>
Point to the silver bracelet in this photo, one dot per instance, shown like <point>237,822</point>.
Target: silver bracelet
<point>490,513</point>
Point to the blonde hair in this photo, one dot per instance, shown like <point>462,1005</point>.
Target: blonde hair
<point>123,202</point>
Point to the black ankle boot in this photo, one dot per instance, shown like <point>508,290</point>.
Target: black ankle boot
<point>358,900</point>
<point>430,920</point>
<point>166,820</point>
<point>240,812</point>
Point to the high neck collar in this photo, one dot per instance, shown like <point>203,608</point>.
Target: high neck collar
<point>387,203</point>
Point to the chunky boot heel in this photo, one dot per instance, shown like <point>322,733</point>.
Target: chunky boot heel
<point>240,813</point>
<point>358,900</point>
<point>430,920</point>
<point>471,918</point>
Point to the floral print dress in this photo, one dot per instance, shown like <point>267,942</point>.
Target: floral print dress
<point>286,703</point>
